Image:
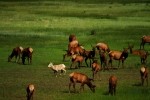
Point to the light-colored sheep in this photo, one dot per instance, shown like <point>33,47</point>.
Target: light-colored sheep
<point>56,68</point>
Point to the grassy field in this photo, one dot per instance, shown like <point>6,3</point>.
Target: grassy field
<point>45,26</point>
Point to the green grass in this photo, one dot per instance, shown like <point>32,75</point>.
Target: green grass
<point>46,25</point>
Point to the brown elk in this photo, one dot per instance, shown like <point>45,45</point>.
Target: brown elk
<point>72,37</point>
<point>30,91</point>
<point>76,59</point>
<point>27,52</point>
<point>139,52</point>
<point>144,39</point>
<point>89,54</point>
<point>144,75</point>
<point>95,68</point>
<point>17,53</point>
<point>118,55</point>
<point>102,46</point>
<point>76,77</point>
<point>103,59</point>
<point>112,85</point>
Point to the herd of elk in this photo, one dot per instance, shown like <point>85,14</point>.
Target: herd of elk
<point>78,54</point>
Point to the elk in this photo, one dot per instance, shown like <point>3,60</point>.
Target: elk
<point>27,52</point>
<point>89,55</point>
<point>103,59</point>
<point>144,75</point>
<point>144,39</point>
<point>112,85</point>
<point>76,59</point>
<point>102,46</point>
<point>139,52</point>
<point>17,53</point>
<point>30,91</point>
<point>118,55</point>
<point>76,77</point>
<point>72,37</point>
<point>75,50</point>
<point>95,68</point>
<point>56,68</point>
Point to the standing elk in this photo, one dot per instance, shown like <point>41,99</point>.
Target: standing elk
<point>103,59</point>
<point>118,55</point>
<point>76,77</point>
<point>30,91</point>
<point>144,39</point>
<point>17,53</point>
<point>89,55</point>
<point>95,69</point>
<point>103,46</point>
<point>139,52</point>
<point>56,68</point>
<point>144,75</point>
<point>27,52</point>
<point>76,59</point>
<point>112,85</point>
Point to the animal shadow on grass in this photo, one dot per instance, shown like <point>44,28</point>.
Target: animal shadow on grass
<point>106,93</point>
<point>71,92</point>
<point>137,84</point>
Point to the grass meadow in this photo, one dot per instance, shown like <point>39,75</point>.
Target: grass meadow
<point>46,25</point>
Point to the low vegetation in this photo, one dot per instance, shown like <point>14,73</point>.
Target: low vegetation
<point>46,25</point>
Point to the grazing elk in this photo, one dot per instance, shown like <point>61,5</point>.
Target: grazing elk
<point>103,46</point>
<point>76,77</point>
<point>89,55</point>
<point>144,75</point>
<point>139,52</point>
<point>112,85</point>
<point>118,55</point>
<point>95,68</point>
<point>27,52</point>
<point>56,68</point>
<point>76,59</point>
<point>17,53</point>
<point>30,91</point>
<point>144,39</point>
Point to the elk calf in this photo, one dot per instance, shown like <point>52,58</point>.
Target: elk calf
<point>95,68</point>
<point>30,90</point>
<point>144,75</point>
<point>76,59</point>
<point>76,77</point>
<point>27,52</point>
<point>112,85</point>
